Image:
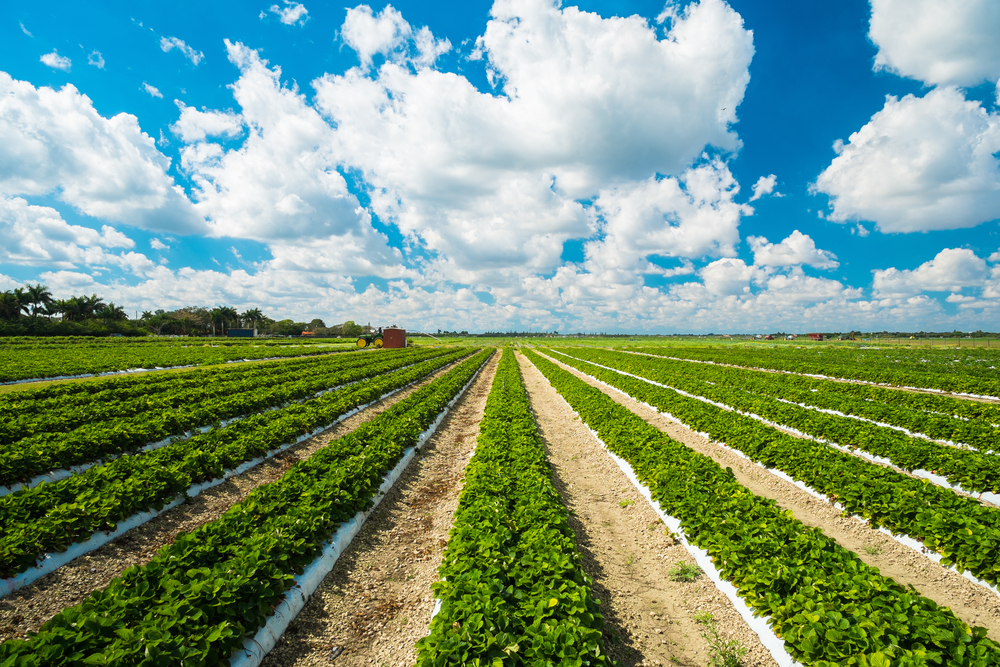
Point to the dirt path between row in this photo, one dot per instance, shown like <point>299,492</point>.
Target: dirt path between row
<point>649,619</point>
<point>972,603</point>
<point>376,602</point>
<point>28,608</point>
<point>896,387</point>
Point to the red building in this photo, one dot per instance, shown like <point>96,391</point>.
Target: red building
<point>816,336</point>
<point>393,338</point>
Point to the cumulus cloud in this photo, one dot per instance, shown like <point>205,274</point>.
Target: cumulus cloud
<point>949,271</point>
<point>38,236</point>
<point>921,163</point>
<point>291,13</point>
<point>764,186</point>
<point>387,34</point>
<point>582,104</point>
<point>96,59</point>
<point>195,125</point>
<point>152,90</point>
<point>690,216</point>
<point>157,244</point>
<point>169,43</point>
<point>937,41</point>
<point>56,61</point>
<point>55,142</point>
<point>796,250</point>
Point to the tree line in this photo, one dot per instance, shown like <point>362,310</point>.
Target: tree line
<point>32,310</point>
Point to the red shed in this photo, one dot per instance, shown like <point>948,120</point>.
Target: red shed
<point>816,336</point>
<point>393,338</point>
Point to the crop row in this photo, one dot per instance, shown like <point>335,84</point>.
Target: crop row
<point>974,471</point>
<point>117,388</point>
<point>825,603</point>
<point>184,394</point>
<point>899,367</point>
<point>25,363</point>
<point>44,452</point>
<point>197,600</point>
<point>960,529</point>
<point>513,591</point>
<point>932,415</point>
<point>52,516</point>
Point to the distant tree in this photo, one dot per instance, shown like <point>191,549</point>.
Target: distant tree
<point>39,298</point>
<point>253,317</point>
<point>10,306</point>
<point>316,324</point>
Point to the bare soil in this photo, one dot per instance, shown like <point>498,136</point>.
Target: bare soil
<point>28,608</point>
<point>377,601</point>
<point>972,603</point>
<point>627,550</point>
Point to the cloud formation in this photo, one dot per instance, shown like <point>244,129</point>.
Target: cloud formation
<point>55,142</point>
<point>937,41</point>
<point>920,164</point>
<point>56,61</point>
<point>796,250</point>
<point>169,43</point>
<point>291,13</point>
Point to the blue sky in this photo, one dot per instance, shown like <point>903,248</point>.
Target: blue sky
<point>618,166</point>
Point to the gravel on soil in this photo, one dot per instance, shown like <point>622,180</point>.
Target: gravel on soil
<point>627,551</point>
<point>28,608</point>
<point>972,603</point>
<point>377,601</point>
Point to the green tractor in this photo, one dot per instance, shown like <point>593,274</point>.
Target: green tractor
<point>371,340</point>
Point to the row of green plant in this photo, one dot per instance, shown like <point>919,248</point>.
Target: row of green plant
<point>960,529</point>
<point>197,600</point>
<point>72,360</point>
<point>44,452</point>
<point>828,606</point>
<point>179,393</point>
<point>974,471</point>
<point>930,414</point>
<point>51,516</point>
<point>931,369</point>
<point>512,589</point>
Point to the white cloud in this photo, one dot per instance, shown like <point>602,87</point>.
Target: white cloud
<point>584,104</point>
<point>38,236</point>
<point>152,90</point>
<point>949,271</point>
<point>168,43</point>
<point>55,142</point>
<point>995,257</point>
<point>369,34</point>
<point>157,244</point>
<point>920,164</point>
<point>764,186</point>
<point>56,61</point>
<point>689,217</point>
<point>796,250</point>
<point>195,125</point>
<point>25,30</point>
<point>96,59</point>
<point>938,42</point>
<point>291,13</point>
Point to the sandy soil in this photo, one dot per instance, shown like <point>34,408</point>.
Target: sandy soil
<point>971,602</point>
<point>376,602</point>
<point>627,551</point>
<point>26,609</point>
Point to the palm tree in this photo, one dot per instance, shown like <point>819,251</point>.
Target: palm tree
<point>216,318</point>
<point>230,316</point>
<point>10,307</point>
<point>22,299</point>
<point>92,305</point>
<point>112,313</point>
<point>253,316</point>
<point>39,297</point>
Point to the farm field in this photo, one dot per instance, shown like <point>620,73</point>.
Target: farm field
<point>553,501</point>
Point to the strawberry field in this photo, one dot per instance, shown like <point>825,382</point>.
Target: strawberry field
<point>837,507</point>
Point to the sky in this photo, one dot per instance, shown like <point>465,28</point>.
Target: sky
<point>613,165</point>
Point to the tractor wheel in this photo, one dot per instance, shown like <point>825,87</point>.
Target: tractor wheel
<point>377,343</point>
<point>362,342</point>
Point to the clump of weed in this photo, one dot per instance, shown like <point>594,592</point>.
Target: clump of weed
<point>722,653</point>
<point>684,572</point>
